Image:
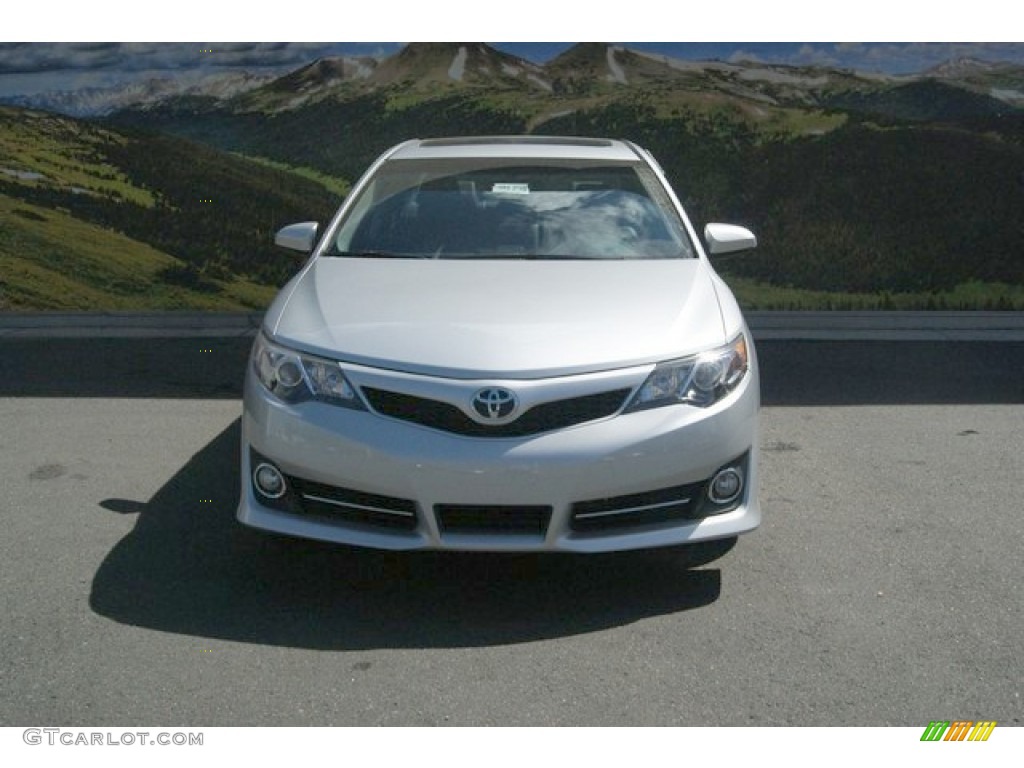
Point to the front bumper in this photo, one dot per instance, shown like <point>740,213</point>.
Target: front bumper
<point>501,494</point>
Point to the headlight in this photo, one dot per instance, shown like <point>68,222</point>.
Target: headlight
<point>701,380</point>
<point>295,376</point>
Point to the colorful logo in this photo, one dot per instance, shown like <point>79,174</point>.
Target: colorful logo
<point>958,730</point>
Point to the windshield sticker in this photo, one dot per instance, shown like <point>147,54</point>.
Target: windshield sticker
<point>509,188</point>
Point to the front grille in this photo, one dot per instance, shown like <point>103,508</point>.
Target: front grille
<point>351,506</point>
<point>541,418</point>
<point>467,518</point>
<point>652,507</point>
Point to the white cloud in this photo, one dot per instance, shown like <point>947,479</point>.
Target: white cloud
<point>136,57</point>
<point>741,56</point>
<point>817,55</point>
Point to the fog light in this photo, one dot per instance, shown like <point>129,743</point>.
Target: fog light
<point>269,481</point>
<point>725,486</point>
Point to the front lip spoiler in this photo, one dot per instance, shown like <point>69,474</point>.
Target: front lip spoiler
<point>289,518</point>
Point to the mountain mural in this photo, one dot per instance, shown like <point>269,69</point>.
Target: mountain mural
<point>866,190</point>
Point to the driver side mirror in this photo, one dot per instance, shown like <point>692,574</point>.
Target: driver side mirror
<point>297,237</point>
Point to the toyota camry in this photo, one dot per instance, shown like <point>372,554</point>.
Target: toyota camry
<point>505,344</point>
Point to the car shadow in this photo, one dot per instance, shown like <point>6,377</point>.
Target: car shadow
<point>188,567</point>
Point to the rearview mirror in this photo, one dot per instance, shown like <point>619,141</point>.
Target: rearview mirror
<point>728,238</point>
<point>297,237</point>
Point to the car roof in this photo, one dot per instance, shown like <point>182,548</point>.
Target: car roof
<point>568,147</point>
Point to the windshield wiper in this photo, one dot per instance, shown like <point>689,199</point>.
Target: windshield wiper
<point>375,255</point>
<point>538,257</point>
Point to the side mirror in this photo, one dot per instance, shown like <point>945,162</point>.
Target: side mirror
<point>297,237</point>
<point>728,238</point>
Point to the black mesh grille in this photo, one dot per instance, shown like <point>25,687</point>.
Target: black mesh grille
<point>541,418</point>
<point>352,506</point>
<point>667,504</point>
<point>463,518</point>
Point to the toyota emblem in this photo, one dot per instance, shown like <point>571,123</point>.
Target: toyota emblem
<point>495,403</point>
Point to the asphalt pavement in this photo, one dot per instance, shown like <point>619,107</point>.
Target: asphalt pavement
<point>884,587</point>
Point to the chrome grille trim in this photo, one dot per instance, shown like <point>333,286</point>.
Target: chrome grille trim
<point>359,507</point>
<point>351,507</point>
<point>631,510</point>
<point>655,507</point>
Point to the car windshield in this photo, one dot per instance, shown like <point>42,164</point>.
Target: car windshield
<point>505,208</point>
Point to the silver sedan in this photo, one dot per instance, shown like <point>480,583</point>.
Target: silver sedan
<point>505,344</point>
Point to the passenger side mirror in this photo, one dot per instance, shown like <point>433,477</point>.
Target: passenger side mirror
<point>728,238</point>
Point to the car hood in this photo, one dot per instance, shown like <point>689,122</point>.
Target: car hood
<point>499,318</point>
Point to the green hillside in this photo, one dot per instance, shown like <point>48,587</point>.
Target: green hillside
<point>924,101</point>
<point>49,260</point>
<point>903,209</point>
<point>94,218</point>
<point>39,149</point>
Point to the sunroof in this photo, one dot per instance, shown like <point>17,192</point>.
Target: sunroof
<point>569,141</point>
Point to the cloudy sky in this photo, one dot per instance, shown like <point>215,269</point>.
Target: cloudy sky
<point>27,68</point>
<point>33,67</point>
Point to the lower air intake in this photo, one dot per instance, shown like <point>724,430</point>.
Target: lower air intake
<point>518,520</point>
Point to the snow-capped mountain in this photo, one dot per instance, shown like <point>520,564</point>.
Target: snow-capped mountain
<point>426,70</point>
<point>999,80</point>
<point>96,102</point>
<point>961,67</point>
<point>430,65</point>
